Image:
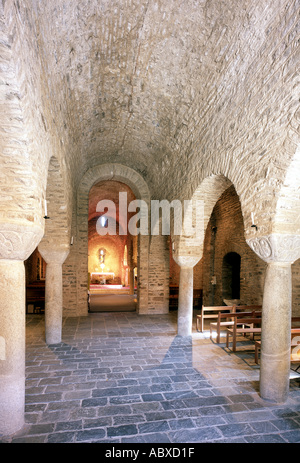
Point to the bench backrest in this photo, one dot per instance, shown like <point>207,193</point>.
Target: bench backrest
<point>246,321</point>
<point>221,308</point>
<point>238,314</point>
<point>248,308</point>
<point>295,320</point>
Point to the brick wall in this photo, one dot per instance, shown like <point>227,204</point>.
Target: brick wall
<point>229,237</point>
<point>159,270</point>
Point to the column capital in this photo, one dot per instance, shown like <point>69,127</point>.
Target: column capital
<point>186,261</point>
<point>18,241</point>
<point>276,247</point>
<point>54,255</point>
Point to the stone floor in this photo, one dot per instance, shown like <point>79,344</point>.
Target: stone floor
<point>124,378</point>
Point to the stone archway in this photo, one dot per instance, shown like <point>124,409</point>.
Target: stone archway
<point>116,172</point>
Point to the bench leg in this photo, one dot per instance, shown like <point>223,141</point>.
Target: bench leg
<point>233,343</point>
<point>256,353</point>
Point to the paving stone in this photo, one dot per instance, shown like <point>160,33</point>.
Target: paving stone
<point>124,430</point>
<point>291,436</point>
<point>167,399</point>
<point>90,435</point>
<point>237,429</point>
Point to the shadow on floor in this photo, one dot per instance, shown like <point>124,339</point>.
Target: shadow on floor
<point>113,303</point>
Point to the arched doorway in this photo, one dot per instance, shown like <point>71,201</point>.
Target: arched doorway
<point>231,269</point>
<point>112,250</point>
<point>131,178</point>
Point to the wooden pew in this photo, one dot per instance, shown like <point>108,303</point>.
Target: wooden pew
<point>174,295</point>
<point>211,312</point>
<point>295,322</point>
<point>229,321</point>
<point>35,295</point>
<point>295,341</point>
<point>235,330</point>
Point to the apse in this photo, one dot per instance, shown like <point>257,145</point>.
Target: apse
<point>112,251</point>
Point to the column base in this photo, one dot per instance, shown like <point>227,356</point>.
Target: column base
<point>12,400</point>
<point>275,377</point>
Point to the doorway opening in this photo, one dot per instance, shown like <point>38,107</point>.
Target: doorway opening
<point>231,276</point>
<point>112,257</point>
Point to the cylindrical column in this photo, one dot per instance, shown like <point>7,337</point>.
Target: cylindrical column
<point>185,302</point>
<point>53,292</point>
<point>276,333</point>
<point>131,281</point>
<point>53,303</point>
<point>12,346</point>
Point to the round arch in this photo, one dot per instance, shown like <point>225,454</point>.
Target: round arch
<point>204,197</point>
<point>56,210</point>
<point>287,214</point>
<point>139,187</point>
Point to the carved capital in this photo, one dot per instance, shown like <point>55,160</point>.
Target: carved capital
<point>17,242</point>
<point>53,255</point>
<point>186,261</point>
<point>276,247</point>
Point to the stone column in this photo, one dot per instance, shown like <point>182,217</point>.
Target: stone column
<point>279,251</point>
<point>143,266</point>
<point>16,244</point>
<point>53,293</point>
<point>185,299</point>
<point>130,267</point>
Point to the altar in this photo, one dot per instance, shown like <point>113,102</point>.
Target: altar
<point>100,278</point>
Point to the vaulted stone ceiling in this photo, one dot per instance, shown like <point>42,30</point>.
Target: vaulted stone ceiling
<point>174,89</point>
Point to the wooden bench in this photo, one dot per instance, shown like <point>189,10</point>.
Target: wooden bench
<point>35,296</point>
<point>219,324</point>
<point>211,312</point>
<point>295,341</point>
<point>174,295</point>
<point>295,321</point>
<point>197,298</point>
<point>235,330</point>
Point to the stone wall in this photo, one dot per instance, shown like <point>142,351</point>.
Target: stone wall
<point>175,91</point>
<point>225,234</point>
<point>229,237</point>
<point>159,271</point>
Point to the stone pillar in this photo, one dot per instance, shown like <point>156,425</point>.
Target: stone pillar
<point>53,293</point>
<point>185,302</point>
<point>131,280</point>
<point>130,267</point>
<point>279,251</point>
<point>16,244</point>
<point>276,333</point>
<point>185,299</point>
<point>143,266</point>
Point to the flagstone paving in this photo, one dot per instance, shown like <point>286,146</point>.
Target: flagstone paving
<point>124,378</point>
